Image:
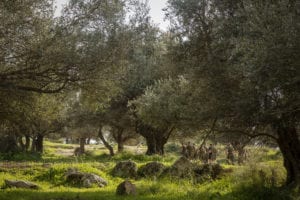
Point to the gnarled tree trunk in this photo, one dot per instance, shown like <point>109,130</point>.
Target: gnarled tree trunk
<point>289,144</point>
<point>39,143</point>
<point>120,139</point>
<point>152,147</point>
<point>24,146</point>
<point>88,140</point>
<point>27,142</point>
<point>33,144</point>
<point>120,145</point>
<point>21,143</point>
<point>82,145</point>
<point>106,144</point>
<point>121,136</point>
<point>155,138</point>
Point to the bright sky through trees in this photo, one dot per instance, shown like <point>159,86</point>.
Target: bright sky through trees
<point>156,12</point>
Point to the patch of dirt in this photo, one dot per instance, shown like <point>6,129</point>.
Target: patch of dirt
<point>9,165</point>
<point>65,152</point>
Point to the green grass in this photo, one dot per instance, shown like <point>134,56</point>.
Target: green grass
<point>252,181</point>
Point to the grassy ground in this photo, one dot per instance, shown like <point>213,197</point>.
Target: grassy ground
<point>259,178</point>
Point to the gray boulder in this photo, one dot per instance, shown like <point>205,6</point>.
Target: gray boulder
<point>87,183</point>
<point>94,179</point>
<point>182,168</point>
<point>213,170</point>
<point>73,176</point>
<point>152,169</point>
<point>125,169</point>
<point>126,188</point>
<point>78,178</point>
<point>20,184</point>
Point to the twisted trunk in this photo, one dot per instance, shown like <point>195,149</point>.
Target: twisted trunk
<point>120,140</point>
<point>120,146</point>
<point>152,147</point>
<point>155,138</point>
<point>24,146</point>
<point>82,144</point>
<point>88,141</point>
<point>33,144</point>
<point>21,143</point>
<point>289,144</point>
<point>40,143</point>
<point>27,142</point>
<point>106,144</point>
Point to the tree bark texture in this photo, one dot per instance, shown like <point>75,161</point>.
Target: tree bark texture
<point>106,144</point>
<point>155,138</point>
<point>39,143</point>
<point>289,144</point>
<point>82,145</point>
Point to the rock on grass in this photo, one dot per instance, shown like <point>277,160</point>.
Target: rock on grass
<point>152,169</point>
<point>20,184</point>
<point>84,179</point>
<point>125,169</point>
<point>126,188</point>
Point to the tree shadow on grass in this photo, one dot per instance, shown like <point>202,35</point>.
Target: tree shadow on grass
<point>21,156</point>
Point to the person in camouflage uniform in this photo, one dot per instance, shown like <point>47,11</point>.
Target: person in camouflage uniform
<point>211,154</point>
<point>190,150</point>
<point>214,153</point>
<point>184,150</point>
<point>202,155</point>
<point>194,152</point>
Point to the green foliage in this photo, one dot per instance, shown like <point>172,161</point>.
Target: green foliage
<point>166,102</point>
<point>243,58</point>
<point>172,147</point>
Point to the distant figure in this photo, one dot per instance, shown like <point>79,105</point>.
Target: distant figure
<point>214,153</point>
<point>241,151</point>
<point>77,151</point>
<point>230,155</point>
<point>202,154</point>
<point>197,154</point>
<point>210,154</point>
<point>194,152</point>
<point>189,150</point>
<point>184,150</point>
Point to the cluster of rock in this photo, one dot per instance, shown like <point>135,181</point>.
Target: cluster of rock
<point>125,169</point>
<point>152,169</point>
<point>129,169</point>
<point>182,168</point>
